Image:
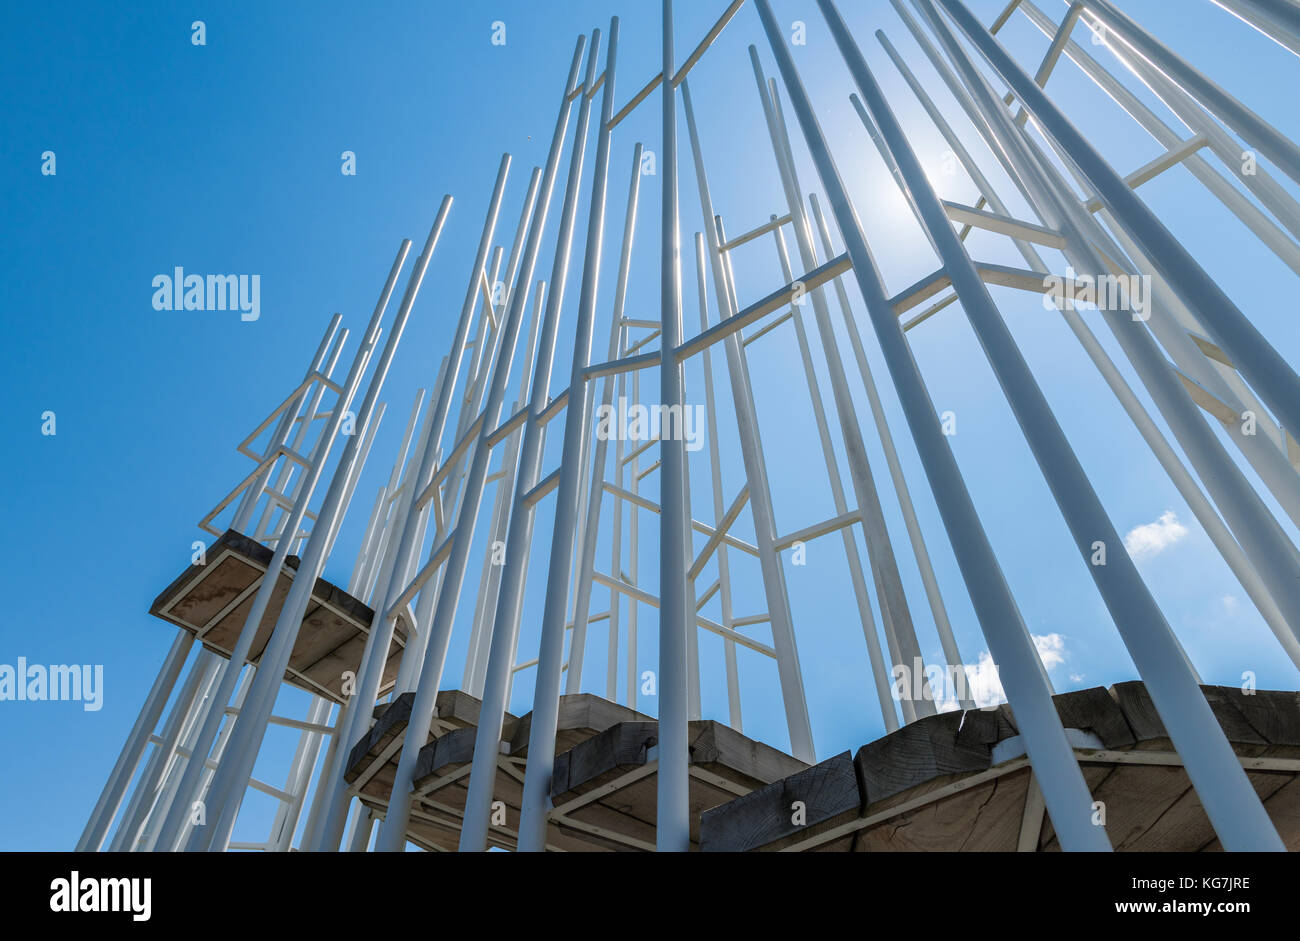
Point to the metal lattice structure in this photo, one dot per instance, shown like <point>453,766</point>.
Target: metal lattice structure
<point>1216,382</point>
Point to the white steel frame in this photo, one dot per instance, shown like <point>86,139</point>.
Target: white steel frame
<point>1201,362</point>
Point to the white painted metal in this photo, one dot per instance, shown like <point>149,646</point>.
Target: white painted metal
<point>206,748</point>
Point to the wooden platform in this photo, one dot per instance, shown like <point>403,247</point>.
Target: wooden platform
<point>962,782</point>
<point>605,787</point>
<point>213,601</point>
<point>372,763</point>
<point>442,775</point>
<point>444,763</point>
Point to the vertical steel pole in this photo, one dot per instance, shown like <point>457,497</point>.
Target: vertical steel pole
<point>408,531</point>
<point>1266,454</point>
<point>362,829</point>
<point>732,666</point>
<point>375,654</point>
<point>1263,541</point>
<point>490,582</point>
<point>361,568</point>
<point>1257,132</point>
<point>615,598</point>
<point>118,779</point>
<point>360,577</point>
<point>577,426</point>
<point>692,627</point>
<point>1169,460</point>
<point>387,547</point>
<point>360,586</point>
<point>231,780</point>
<point>188,789</point>
<point>150,823</point>
<point>409,484</point>
<point>424,607</point>
<point>1020,669</point>
<point>883,677</point>
<point>1279,21</point>
<point>145,794</point>
<point>146,791</point>
<point>634,552</point>
<point>209,766</point>
<point>1222,785</point>
<point>392,835</point>
<point>937,608</point>
<point>676,608</point>
<point>1274,197</point>
<point>582,593</point>
<point>472,397</point>
<point>1270,374</point>
<point>751,450</point>
<point>890,595</point>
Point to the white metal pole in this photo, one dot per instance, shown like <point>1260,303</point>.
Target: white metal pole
<point>595,496</point>
<point>406,527</point>
<point>1020,669</point>
<point>146,789</point>
<point>1169,460</point>
<point>244,512</point>
<point>676,608</point>
<point>883,676</point>
<point>1218,380</point>
<point>577,426</point>
<point>1274,556</point>
<point>1222,785</point>
<point>751,448</point>
<point>1256,359</point>
<point>232,778</point>
<point>476,665</point>
<point>731,663</point>
<point>634,564</point>
<point>392,835</point>
<point>146,839</point>
<point>1261,184</point>
<point>1279,21</point>
<point>1257,132</point>
<point>362,828</point>
<point>196,810</point>
<point>890,595</point>
<point>509,602</point>
<point>947,640</point>
<point>120,777</point>
<point>188,788</point>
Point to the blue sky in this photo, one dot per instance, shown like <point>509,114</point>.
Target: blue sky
<point>226,158</point>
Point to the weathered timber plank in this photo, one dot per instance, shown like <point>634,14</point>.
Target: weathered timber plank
<point>767,818</point>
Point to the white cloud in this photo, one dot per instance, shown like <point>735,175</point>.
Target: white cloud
<point>984,685</point>
<point>1051,649</point>
<point>1153,538</point>
<point>1230,604</point>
